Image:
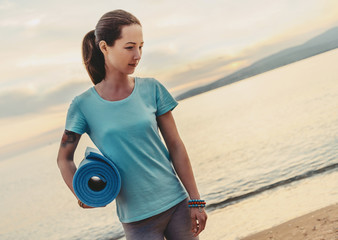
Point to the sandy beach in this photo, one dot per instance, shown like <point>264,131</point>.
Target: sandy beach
<point>318,225</point>
<point>273,209</point>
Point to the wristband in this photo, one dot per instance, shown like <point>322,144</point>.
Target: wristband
<point>196,203</point>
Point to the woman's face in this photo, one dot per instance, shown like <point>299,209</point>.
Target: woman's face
<point>126,53</point>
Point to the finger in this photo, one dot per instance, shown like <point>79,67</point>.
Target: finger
<point>87,206</point>
<point>84,205</point>
<point>196,230</point>
<point>80,203</point>
<point>202,222</point>
<point>193,224</point>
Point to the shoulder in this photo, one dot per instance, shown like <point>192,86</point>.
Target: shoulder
<point>81,101</point>
<point>147,85</point>
<point>150,83</point>
<point>83,97</point>
<point>85,94</point>
<point>147,81</point>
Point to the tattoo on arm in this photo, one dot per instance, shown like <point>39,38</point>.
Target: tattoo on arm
<point>68,137</point>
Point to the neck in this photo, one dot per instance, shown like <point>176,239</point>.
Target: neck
<point>116,80</point>
<point>115,87</point>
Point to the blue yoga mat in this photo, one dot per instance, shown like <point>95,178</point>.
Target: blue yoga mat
<point>97,181</point>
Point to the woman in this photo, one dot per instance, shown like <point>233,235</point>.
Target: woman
<point>122,115</point>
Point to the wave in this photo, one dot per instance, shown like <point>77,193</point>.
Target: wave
<point>236,199</point>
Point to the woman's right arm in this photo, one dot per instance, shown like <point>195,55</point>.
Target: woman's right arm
<point>65,159</point>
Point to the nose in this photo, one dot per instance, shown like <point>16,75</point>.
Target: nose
<point>138,54</point>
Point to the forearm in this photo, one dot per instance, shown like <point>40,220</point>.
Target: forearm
<point>66,155</point>
<point>183,169</point>
<point>67,169</point>
<point>178,153</point>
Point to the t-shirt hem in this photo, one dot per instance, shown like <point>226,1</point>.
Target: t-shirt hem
<point>158,211</point>
<point>78,131</point>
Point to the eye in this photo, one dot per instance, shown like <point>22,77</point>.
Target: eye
<point>129,48</point>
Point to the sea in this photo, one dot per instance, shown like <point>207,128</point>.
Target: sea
<point>255,145</point>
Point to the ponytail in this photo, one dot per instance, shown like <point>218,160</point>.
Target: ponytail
<point>93,58</point>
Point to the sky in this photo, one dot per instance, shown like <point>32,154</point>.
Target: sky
<point>187,43</point>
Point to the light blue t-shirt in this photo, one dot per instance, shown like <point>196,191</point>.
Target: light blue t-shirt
<point>126,132</point>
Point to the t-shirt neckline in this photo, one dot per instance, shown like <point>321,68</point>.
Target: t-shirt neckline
<point>117,101</point>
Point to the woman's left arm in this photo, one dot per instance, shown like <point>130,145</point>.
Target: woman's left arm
<point>182,166</point>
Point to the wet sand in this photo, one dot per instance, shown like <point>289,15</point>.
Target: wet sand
<point>318,225</point>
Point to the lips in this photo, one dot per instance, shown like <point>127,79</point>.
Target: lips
<point>133,65</point>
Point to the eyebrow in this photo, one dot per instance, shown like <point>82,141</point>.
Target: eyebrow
<point>133,43</point>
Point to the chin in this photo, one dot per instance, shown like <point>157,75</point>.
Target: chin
<point>130,71</point>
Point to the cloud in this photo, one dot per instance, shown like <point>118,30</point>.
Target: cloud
<point>5,5</point>
<point>41,41</point>
<point>160,59</point>
<point>41,60</point>
<point>23,101</point>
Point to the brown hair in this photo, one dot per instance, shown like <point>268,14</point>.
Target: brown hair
<point>109,29</point>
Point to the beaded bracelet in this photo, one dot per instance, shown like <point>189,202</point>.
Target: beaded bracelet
<point>197,203</point>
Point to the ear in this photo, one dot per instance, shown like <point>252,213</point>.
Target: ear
<point>103,46</point>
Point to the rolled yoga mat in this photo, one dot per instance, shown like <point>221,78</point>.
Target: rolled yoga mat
<point>97,181</point>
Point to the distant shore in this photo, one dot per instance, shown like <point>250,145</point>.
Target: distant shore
<point>320,224</point>
<point>323,43</point>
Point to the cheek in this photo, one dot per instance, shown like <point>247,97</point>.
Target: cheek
<point>113,59</point>
<point>109,57</point>
<point>119,58</point>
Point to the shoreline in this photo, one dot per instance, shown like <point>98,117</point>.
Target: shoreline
<point>273,208</point>
<point>319,224</point>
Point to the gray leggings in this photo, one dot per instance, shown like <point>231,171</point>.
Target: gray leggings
<point>173,224</point>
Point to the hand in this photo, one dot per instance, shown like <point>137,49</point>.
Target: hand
<point>81,204</point>
<point>198,220</point>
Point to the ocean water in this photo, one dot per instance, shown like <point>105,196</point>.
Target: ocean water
<point>245,140</point>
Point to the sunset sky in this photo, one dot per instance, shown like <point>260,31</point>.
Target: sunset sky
<point>187,43</point>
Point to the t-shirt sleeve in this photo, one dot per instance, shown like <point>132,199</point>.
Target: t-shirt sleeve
<point>75,121</point>
<point>164,101</point>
